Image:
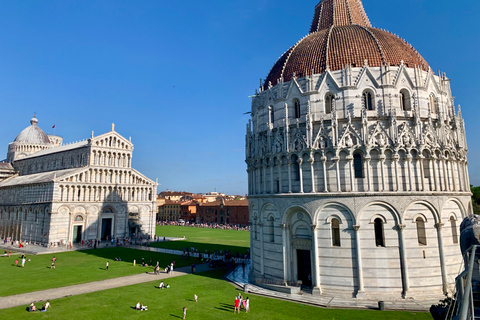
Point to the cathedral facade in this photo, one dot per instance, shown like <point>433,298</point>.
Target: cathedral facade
<point>357,168</point>
<point>54,193</point>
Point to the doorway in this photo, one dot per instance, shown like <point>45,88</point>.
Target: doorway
<point>106,228</point>
<point>304,267</point>
<point>77,234</point>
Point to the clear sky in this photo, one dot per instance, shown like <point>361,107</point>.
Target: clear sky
<point>176,75</point>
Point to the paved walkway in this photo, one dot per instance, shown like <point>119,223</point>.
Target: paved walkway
<point>240,278</point>
<point>56,293</point>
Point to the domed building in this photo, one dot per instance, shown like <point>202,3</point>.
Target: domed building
<point>32,139</point>
<point>357,168</point>
<point>57,194</point>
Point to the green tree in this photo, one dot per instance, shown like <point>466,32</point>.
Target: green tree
<point>475,199</point>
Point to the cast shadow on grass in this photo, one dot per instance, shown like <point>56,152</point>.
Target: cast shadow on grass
<point>225,307</point>
<point>175,316</point>
<point>182,244</point>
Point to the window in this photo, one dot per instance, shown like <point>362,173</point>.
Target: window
<point>271,229</point>
<point>335,232</point>
<point>368,100</point>
<point>272,114</point>
<point>297,109</point>
<point>453,224</point>
<point>296,168</point>
<point>421,234</point>
<point>433,104</point>
<point>426,168</point>
<point>358,165</point>
<point>379,238</point>
<point>329,100</point>
<point>405,100</point>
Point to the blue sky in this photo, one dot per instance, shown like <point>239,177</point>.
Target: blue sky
<point>176,75</point>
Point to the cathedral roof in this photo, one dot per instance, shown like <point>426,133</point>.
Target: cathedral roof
<point>33,134</point>
<point>342,35</point>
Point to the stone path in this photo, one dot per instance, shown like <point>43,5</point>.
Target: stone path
<point>56,293</point>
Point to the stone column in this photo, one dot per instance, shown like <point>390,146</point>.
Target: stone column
<point>284,252</point>
<point>409,175</point>
<point>352,176</point>
<point>446,176</point>
<point>316,263</point>
<point>271,176</point>
<point>361,289</point>
<point>420,160</point>
<point>382,169</point>
<point>436,174</point>
<point>460,177</point>
<point>312,172</point>
<point>289,163</point>
<point>325,180</point>
<point>279,164</point>
<point>337,173</point>
<point>442,257</point>
<point>452,173</point>
<point>369,173</point>
<point>262,264</point>
<point>300,170</point>
<point>403,261</point>
<point>264,173</point>
<point>395,161</point>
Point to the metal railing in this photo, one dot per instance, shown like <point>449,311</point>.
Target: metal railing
<point>465,292</point>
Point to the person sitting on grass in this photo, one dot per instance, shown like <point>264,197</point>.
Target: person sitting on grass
<point>137,307</point>
<point>167,286</point>
<point>32,307</point>
<point>161,285</point>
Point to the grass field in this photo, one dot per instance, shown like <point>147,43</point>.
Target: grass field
<point>204,239</point>
<point>215,301</point>
<point>75,267</point>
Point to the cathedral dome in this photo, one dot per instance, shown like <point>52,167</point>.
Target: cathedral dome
<point>33,134</point>
<point>341,35</point>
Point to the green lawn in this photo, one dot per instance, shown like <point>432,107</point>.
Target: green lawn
<point>75,267</point>
<point>215,301</point>
<point>204,239</point>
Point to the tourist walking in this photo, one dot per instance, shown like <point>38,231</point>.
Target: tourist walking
<point>16,262</point>
<point>23,262</point>
<point>195,297</point>
<point>106,266</point>
<point>246,304</point>
<point>184,312</point>
<point>237,305</point>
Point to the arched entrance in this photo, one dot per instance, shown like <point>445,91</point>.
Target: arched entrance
<point>77,232</point>
<point>301,252</point>
<point>107,224</point>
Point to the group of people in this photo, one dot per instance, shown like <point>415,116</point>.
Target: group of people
<point>240,302</point>
<point>163,286</point>
<point>32,307</point>
<point>205,225</point>
<point>140,307</point>
<point>24,259</point>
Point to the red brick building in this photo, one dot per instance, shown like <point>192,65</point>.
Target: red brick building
<point>223,212</point>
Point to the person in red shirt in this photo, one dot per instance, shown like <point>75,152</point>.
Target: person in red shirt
<point>237,305</point>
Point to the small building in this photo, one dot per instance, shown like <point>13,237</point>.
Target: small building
<point>223,212</point>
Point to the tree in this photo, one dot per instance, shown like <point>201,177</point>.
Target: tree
<point>475,199</point>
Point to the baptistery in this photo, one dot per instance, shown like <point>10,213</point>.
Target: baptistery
<point>357,168</point>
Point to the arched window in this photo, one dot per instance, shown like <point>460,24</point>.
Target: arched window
<point>453,224</point>
<point>421,233</point>
<point>297,109</point>
<point>368,100</point>
<point>358,165</point>
<point>405,100</point>
<point>295,168</point>
<point>329,100</point>
<point>433,104</point>
<point>335,232</point>
<point>271,229</point>
<point>272,114</point>
<point>379,238</point>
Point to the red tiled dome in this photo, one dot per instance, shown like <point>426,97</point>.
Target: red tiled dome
<point>341,35</point>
